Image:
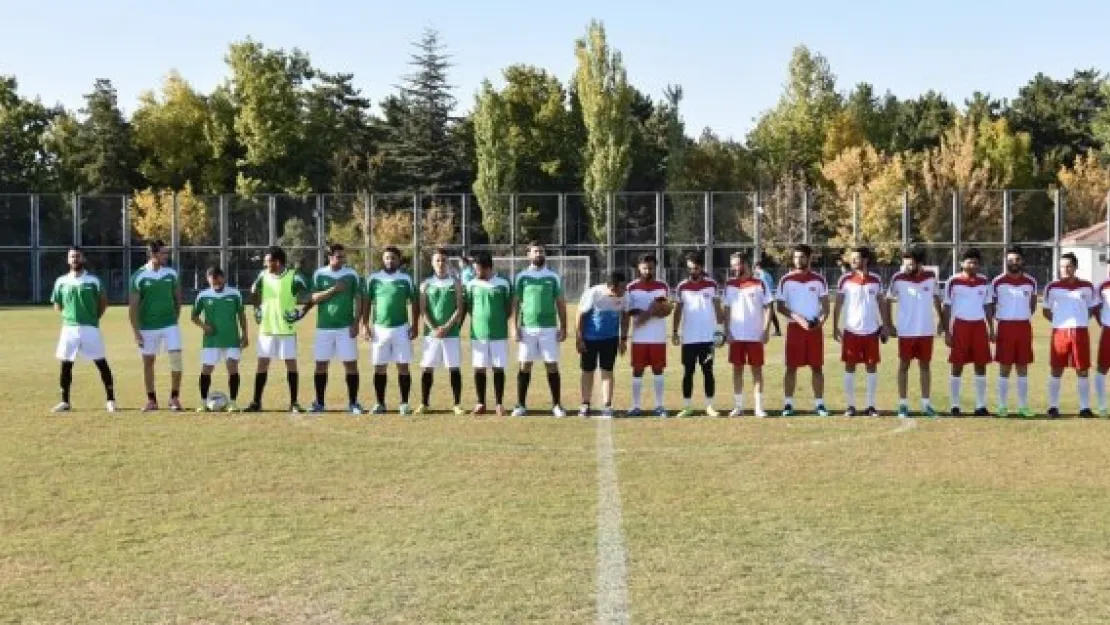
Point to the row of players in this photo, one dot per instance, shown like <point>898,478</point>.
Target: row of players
<point>387,309</point>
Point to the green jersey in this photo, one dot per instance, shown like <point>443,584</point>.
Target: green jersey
<point>278,295</point>
<point>440,304</point>
<point>340,311</point>
<point>390,294</point>
<point>79,296</point>
<point>220,309</point>
<point>538,291</point>
<point>488,302</point>
<point>157,291</point>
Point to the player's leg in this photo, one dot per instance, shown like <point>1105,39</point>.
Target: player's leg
<point>981,357</point>
<point>266,348</point>
<point>872,387</point>
<point>323,351</point>
<point>231,361</point>
<point>381,353</point>
<point>658,364</point>
<point>452,357</point>
<point>954,382</point>
<point>587,363</point>
<point>789,381</point>
<point>92,347</point>
<point>1081,360</point>
<point>815,358</point>
<point>925,382</point>
<point>904,359</point>
<point>529,350</point>
<point>402,355</point>
<point>637,382</point>
<point>177,366</point>
<point>689,364</point>
<point>848,356</point>
<point>430,357</point>
<point>757,390</point>
<point>607,360</point>
<point>1003,385</point>
<point>709,380</point>
<point>69,342</point>
<point>736,358</point>
<point>152,342</point>
<point>549,350</point>
<point>209,356</point>
<point>1103,367</point>
<point>480,361</point>
<point>499,360</point>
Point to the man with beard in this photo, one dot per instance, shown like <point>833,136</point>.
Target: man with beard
<point>337,321</point>
<point>859,297</point>
<point>648,304</point>
<point>1067,304</point>
<point>489,303</point>
<point>1015,300</point>
<point>747,304</point>
<point>969,327</point>
<point>539,324</point>
<point>390,297</point>
<point>803,298</point>
<point>918,297</point>
<point>442,305</point>
<point>696,315</point>
<point>81,299</point>
<point>154,305</point>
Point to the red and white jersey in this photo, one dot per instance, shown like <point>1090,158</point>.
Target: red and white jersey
<point>699,311</point>
<point>802,291</point>
<point>860,314</point>
<point>968,297</point>
<point>916,294</point>
<point>1070,303</point>
<point>746,299</point>
<point>1012,295</point>
<point>1104,300</point>
<point>641,294</point>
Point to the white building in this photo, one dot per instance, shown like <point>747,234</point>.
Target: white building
<point>1090,246</point>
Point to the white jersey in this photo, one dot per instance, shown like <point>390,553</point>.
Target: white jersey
<point>861,293</point>
<point>1104,300</point>
<point>968,297</point>
<point>641,294</point>
<point>699,312</point>
<point>1012,296</point>
<point>802,291</point>
<point>1070,303</point>
<point>916,294</point>
<point>746,300</point>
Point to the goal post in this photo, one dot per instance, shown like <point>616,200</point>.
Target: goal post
<point>575,271</point>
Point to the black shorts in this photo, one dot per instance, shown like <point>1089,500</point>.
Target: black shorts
<point>601,353</point>
<point>697,354</point>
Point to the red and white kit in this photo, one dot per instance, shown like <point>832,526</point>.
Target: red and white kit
<point>699,313</point>
<point>1012,297</point>
<point>746,299</point>
<point>1071,305</point>
<point>649,341</point>
<point>802,291</point>
<point>859,344</point>
<point>1104,321</point>
<point>916,295</point>
<point>968,297</point>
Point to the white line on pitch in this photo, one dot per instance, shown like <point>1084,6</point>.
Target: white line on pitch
<point>612,558</point>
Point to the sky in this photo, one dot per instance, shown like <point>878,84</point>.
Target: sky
<point>729,57</point>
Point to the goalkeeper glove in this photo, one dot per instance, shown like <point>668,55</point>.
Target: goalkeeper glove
<point>293,316</point>
<point>258,314</point>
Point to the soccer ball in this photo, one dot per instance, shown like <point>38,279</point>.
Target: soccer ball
<point>216,401</point>
<point>661,307</point>
<point>718,338</point>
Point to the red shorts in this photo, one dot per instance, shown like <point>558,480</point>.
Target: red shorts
<point>1014,343</point>
<point>1071,349</point>
<point>859,349</point>
<point>742,353</point>
<point>649,356</point>
<point>804,348</point>
<point>1104,349</point>
<point>970,343</point>
<point>915,348</point>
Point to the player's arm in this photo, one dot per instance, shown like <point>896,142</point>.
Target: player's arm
<point>726,313</point>
<point>677,323</point>
<point>938,308</point>
<point>514,311</point>
<point>718,308</point>
<point>366,308</point>
<point>422,304</point>
<point>1046,308</point>
<point>133,311</point>
<point>194,316</point>
<point>460,305</point>
<point>561,309</point>
<point>988,312</point>
<point>768,315</point>
<point>414,328</point>
<point>102,304</point>
<point>178,298</point>
<point>884,312</point>
<point>837,307</point>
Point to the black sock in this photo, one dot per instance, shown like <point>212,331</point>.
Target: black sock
<point>352,388</point>
<point>687,381</point>
<point>426,386</point>
<point>293,379</point>
<point>152,396</point>
<point>523,379</point>
<point>321,382</point>
<point>259,386</point>
<point>380,380</point>
<point>710,381</point>
<point>499,386</point>
<point>205,385</point>
<point>175,393</point>
<point>106,378</point>
<point>456,385</point>
<point>404,380</point>
<point>233,385</point>
<point>555,383</point>
<point>480,385</point>
<point>65,379</point>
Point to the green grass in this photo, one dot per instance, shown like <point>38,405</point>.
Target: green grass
<point>134,518</point>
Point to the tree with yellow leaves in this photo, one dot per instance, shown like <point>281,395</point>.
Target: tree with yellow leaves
<point>152,217</point>
<point>880,183</point>
<point>1086,184</point>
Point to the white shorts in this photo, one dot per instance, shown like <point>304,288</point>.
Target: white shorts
<point>277,347</point>
<point>391,345</point>
<point>80,340</point>
<point>155,340</point>
<point>212,356</point>
<point>539,344</point>
<point>485,354</point>
<point>445,352</point>
<point>331,344</point>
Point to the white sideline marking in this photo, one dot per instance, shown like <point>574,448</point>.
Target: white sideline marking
<point>612,558</point>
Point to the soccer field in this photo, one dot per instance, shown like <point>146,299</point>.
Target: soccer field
<point>273,518</point>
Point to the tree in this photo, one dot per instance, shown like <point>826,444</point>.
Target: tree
<point>152,216</point>
<point>170,135</point>
<point>496,161</point>
<point>1087,184</point>
<point>1061,118</point>
<point>606,99</point>
<point>920,123</point>
<point>25,164</point>
<point>878,182</point>
<point>336,138</point>
<point>96,153</point>
<point>874,116</point>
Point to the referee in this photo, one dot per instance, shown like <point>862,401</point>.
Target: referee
<point>602,333</point>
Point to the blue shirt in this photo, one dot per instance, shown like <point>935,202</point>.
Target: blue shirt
<point>768,280</point>
<point>602,313</point>
<point>467,274</point>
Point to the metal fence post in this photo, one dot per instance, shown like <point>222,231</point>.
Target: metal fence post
<point>905,220</point>
<point>757,228</point>
<point>561,221</point>
<point>806,206</point>
<point>225,253</point>
<point>660,235</point>
<point>416,260</point>
<point>271,218</point>
<point>125,210</point>
<point>707,233</point>
<point>512,225</point>
<point>175,234</point>
<point>855,217</point>
<point>610,230</point>
<point>464,223</point>
<point>956,228</point>
<point>1007,216</point>
<point>321,233</point>
<point>75,209</point>
<point>36,253</point>
<point>1058,208</point>
<point>368,231</point>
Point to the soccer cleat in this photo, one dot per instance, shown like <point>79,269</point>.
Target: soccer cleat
<point>499,410</point>
<point>788,410</point>
<point>1053,413</point>
<point>929,412</point>
<point>736,412</point>
<point>203,408</point>
<point>955,411</point>
<point>316,407</point>
<point>1027,412</point>
<point>61,407</point>
<point>479,410</point>
<point>1001,412</point>
<point>253,407</point>
<point>822,411</point>
<point>903,411</point>
<point>584,410</point>
<point>295,408</point>
<point>111,406</point>
<point>607,412</point>
<point>850,412</point>
<point>419,410</point>
<point>355,408</point>
<point>982,411</point>
<point>1086,413</point>
<point>872,411</point>
<point>520,411</point>
<point>150,406</point>
<point>685,412</point>
<point>710,411</point>
<point>232,407</point>
<point>458,410</point>
<point>377,409</point>
<point>661,412</point>
<point>175,404</point>
<point>634,413</point>
<point>403,410</point>
<point>558,411</point>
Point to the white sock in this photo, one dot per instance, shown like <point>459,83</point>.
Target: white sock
<point>788,401</point>
<point>1084,393</point>
<point>954,390</point>
<point>980,391</point>
<point>1003,390</point>
<point>738,399</point>
<point>902,403</point>
<point>872,388</point>
<point>925,403</point>
<point>819,402</point>
<point>685,402</point>
<point>1100,391</point>
<point>657,386</point>
<point>758,400</point>
<point>637,389</point>
<point>1023,391</point>
<point>850,388</point>
<point>1054,392</point>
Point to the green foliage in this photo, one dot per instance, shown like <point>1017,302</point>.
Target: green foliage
<point>170,135</point>
<point>496,162</point>
<point>96,153</point>
<point>25,163</point>
<point>1062,117</point>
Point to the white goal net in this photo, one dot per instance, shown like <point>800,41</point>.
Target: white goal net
<point>574,271</point>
